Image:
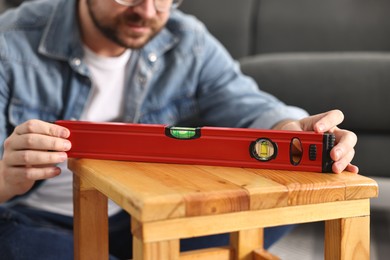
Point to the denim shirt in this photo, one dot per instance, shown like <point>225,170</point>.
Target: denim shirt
<point>183,76</point>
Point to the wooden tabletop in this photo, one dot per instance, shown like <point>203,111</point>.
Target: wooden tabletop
<point>153,191</point>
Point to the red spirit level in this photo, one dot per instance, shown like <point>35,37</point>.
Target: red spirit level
<point>269,149</point>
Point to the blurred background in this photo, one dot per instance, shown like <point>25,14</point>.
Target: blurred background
<point>318,55</point>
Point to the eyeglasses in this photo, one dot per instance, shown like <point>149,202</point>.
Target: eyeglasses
<point>160,5</point>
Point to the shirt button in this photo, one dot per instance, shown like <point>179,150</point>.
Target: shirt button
<point>76,61</point>
<point>152,57</point>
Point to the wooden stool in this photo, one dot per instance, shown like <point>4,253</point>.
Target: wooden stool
<point>168,202</point>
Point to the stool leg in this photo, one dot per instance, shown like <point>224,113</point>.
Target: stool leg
<point>169,249</point>
<point>90,222</point>
<point>347,238</point>
<point>244,242</point>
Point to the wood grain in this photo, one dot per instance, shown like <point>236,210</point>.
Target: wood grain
<point>153,191</point>
<point>169,202</point>
<point>347,238</point>
<point>90,220</point>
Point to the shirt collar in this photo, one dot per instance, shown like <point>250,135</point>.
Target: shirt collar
<point>61,38</point>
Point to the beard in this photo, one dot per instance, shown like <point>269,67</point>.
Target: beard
<point>124,38</point>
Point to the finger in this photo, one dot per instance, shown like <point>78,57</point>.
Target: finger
<point>34,158</point>
<point>327,121</point>
<point>41,127</point>
<point>352,168</point>
<point>39,142</point>
<point>344,162</point>
<point>26,174</point>
<point>346,141</point>
<point>23,178</point>
<point>290,126</point>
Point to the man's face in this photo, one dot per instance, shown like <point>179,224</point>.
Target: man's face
<point>129,27</point>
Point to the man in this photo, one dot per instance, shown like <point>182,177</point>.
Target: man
<point>113,60</point>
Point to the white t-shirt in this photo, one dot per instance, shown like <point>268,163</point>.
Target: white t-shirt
<point>104,104</point>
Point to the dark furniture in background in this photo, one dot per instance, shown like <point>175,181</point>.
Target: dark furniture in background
<point>318,55</point>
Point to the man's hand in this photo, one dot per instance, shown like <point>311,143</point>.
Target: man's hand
<point>343,152</point>
<point>31,153</point>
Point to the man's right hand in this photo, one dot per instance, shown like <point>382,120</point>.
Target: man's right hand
<point>31,153</point>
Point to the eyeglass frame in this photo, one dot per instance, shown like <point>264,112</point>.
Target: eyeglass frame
<point>175,4</point>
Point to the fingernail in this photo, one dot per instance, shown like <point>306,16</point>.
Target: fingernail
<point>56,171</point>
<point>321,127</point>
<point>63,157</point>
<point>64,133</point>
<point>335,167</point>
<point>67,145</point>
<point>338,154</point>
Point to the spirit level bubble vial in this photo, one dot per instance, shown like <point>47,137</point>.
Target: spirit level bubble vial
<point>183,133</point>
<point>236,147</point>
